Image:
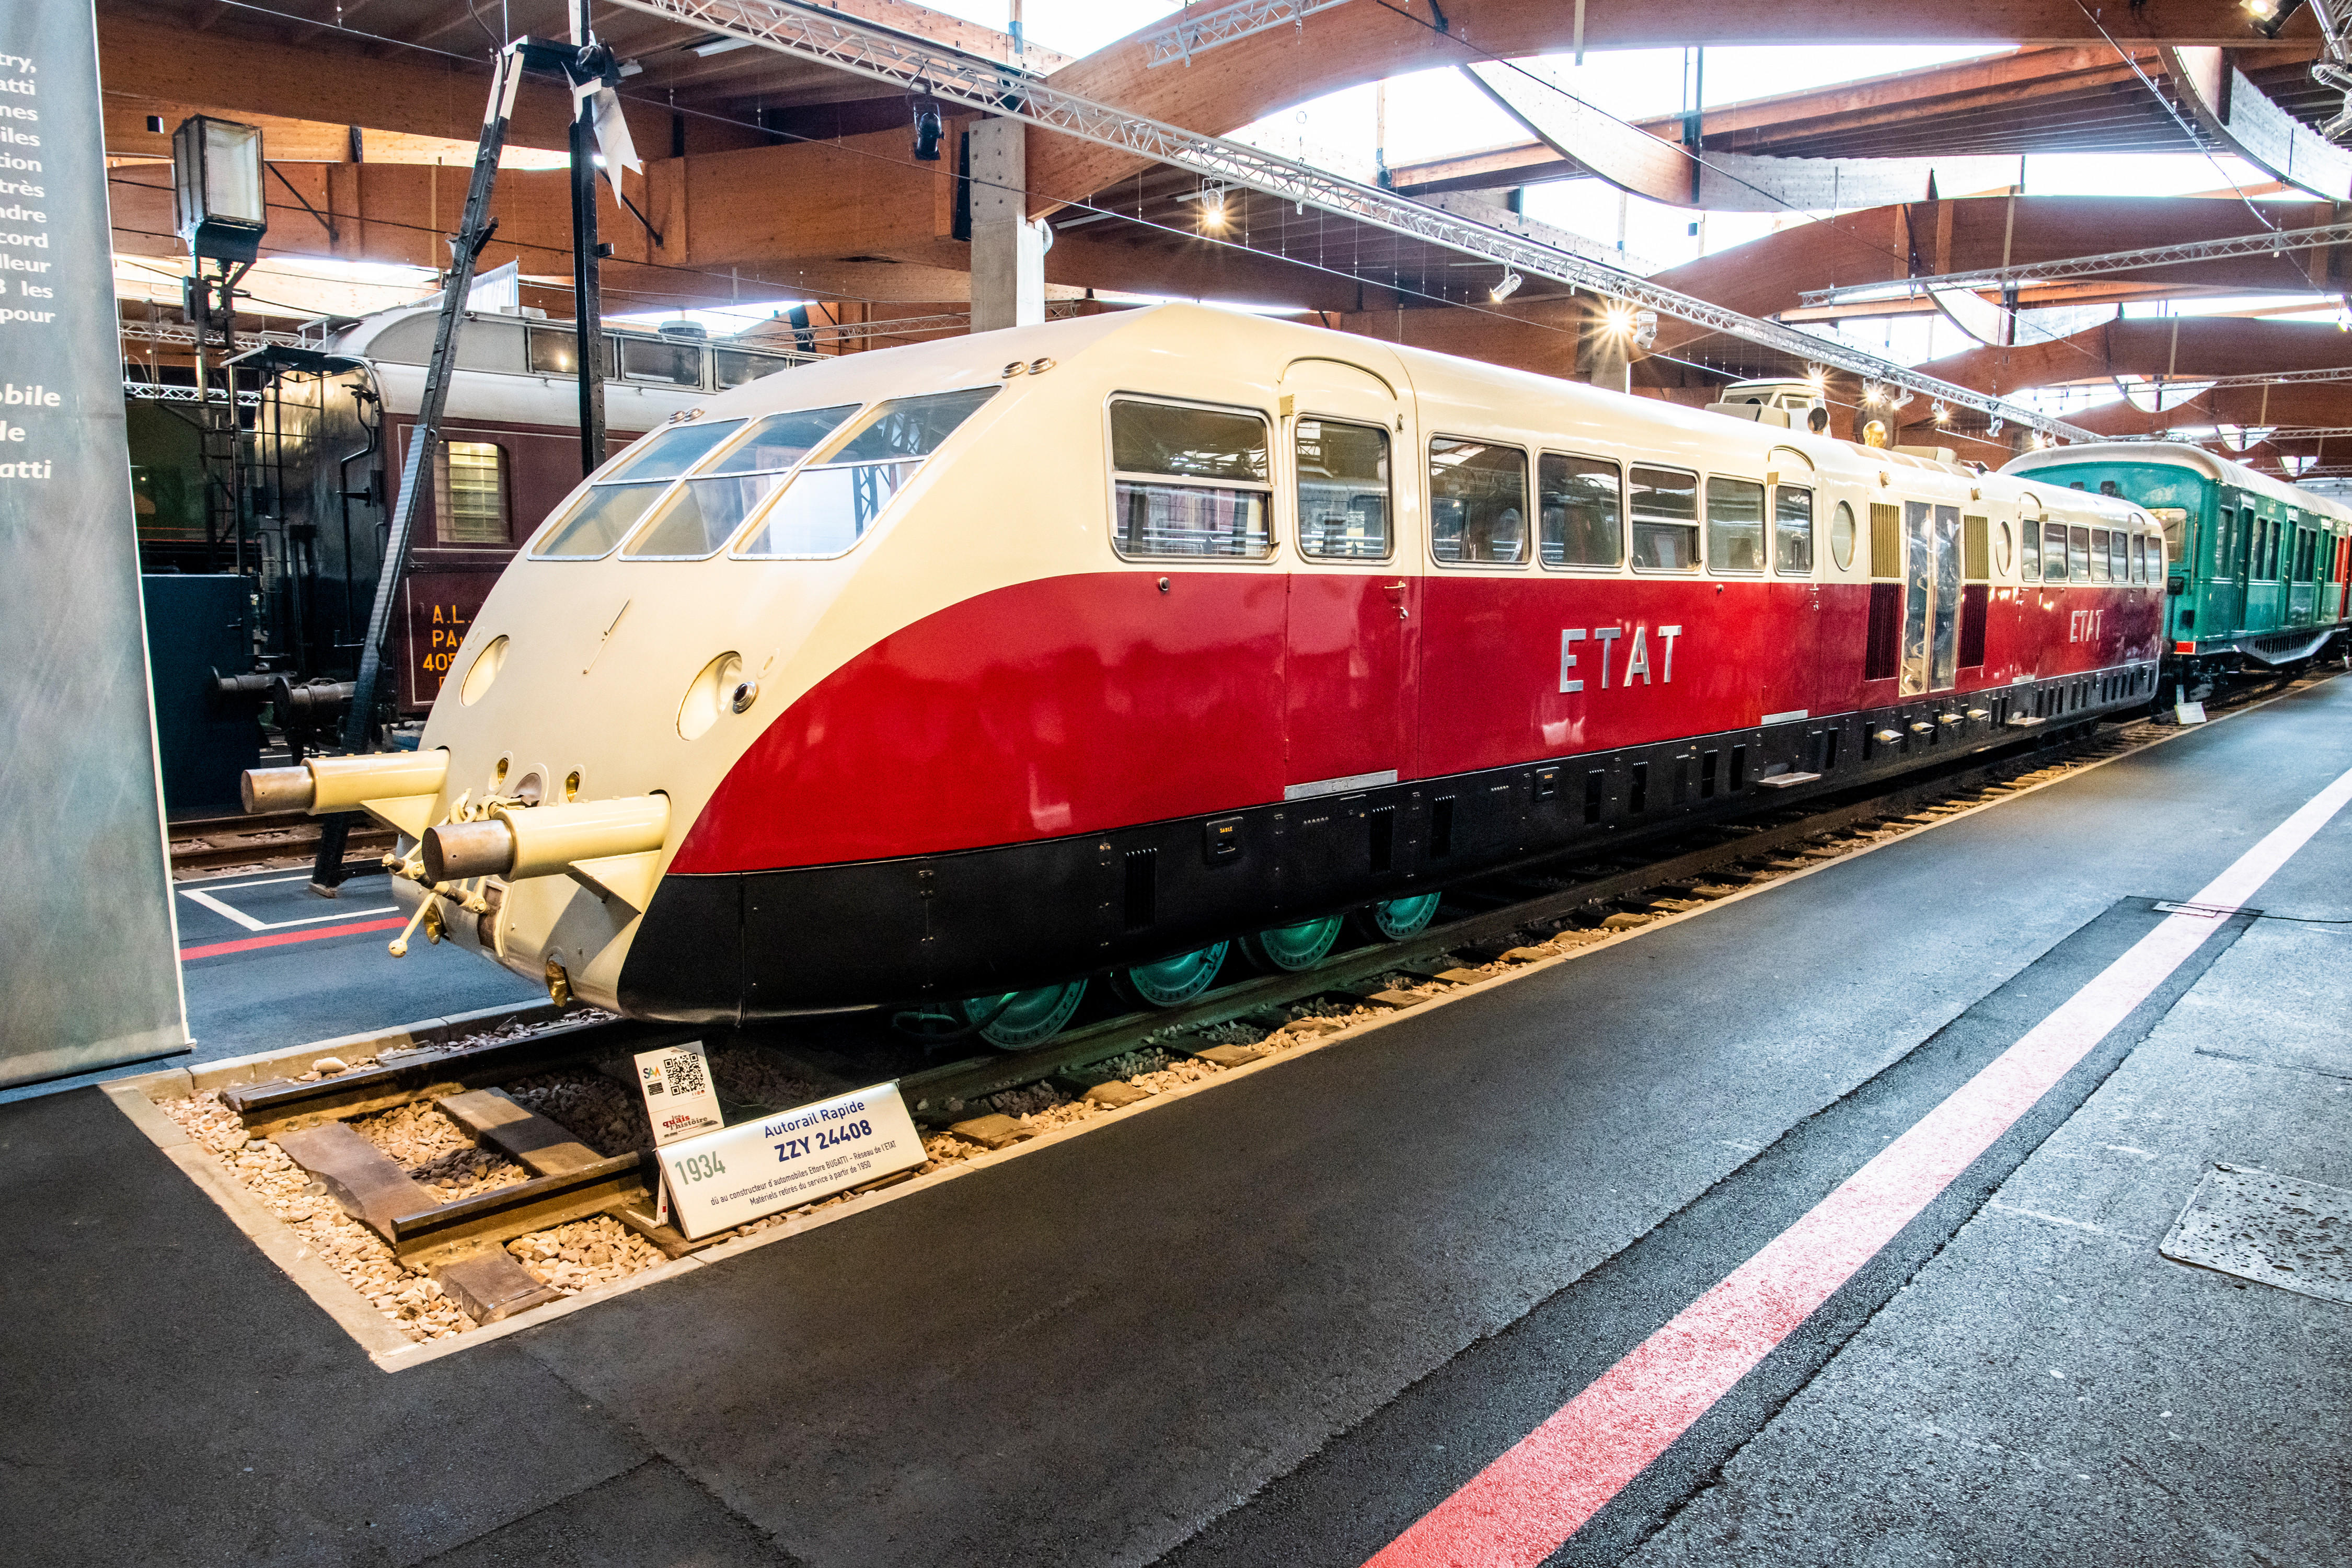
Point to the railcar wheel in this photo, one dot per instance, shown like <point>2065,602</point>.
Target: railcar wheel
<point>1171,981</point>
<point>1301,946</point>
<point>1393,920</point>
<point>1010,1020</point>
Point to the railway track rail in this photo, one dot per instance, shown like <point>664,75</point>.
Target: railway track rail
<point>1485,929</point>
<point>216,842</point>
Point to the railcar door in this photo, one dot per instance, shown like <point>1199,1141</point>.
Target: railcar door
<point>1788,651</point>
<point>1352,611</point>
<point>1931,606</point>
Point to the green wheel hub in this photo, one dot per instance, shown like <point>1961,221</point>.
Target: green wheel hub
<point>1023,1017</point>
<point>1172,982</point>
<point>1301,946</point>
<point>1397,919</point>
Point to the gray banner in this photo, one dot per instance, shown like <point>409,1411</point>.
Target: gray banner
<point>88,963</point>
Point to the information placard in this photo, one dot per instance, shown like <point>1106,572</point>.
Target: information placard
<point>679,1101</point>
<point>742,1173</point>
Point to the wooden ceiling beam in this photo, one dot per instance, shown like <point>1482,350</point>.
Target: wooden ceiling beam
<point>1348,45</point>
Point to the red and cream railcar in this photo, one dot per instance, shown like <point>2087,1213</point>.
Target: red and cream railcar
<point>973,668</point>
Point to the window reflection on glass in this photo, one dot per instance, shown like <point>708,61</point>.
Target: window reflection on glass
<point>2029,550</point>
<point>554,353</point>
<point>829,507</point>
<point>661,358</point>
<point>1665,520</point>
<point>626,487</point>
<point>1581,520</point>
<point>2098,555</point>
<point>1734,524</point>
<point>1477,502</point>
<point>715,501</point>
<point>1226,510</point>
<point>469,492</point>
<point>2078,554</point>
<point>1343,489</point>
<point>1792,530</point>
<point>1841,532</point>
<point>1187,443</point>
<point>734,367</point>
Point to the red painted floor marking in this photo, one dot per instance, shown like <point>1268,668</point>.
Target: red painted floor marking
<point>1523,1507</point>
<point>279,939</point>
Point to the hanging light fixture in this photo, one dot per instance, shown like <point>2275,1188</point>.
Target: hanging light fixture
<point>1506,287</point>
<point>1212,204</point>
<point>1943,415</point>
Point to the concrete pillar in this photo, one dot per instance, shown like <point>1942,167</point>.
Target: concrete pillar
<point>1008,251</point>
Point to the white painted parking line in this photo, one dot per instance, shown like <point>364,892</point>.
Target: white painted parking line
<point>204,896</point>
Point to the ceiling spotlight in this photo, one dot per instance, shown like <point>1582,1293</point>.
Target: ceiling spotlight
<point>2261,10</point>
<point>1818,376</point>
<point>1993,427</point>
<point>928,130</point>
<point>1874,393</point>
<point>1508,286</point>
<point>1943,414</point>
<point>1212,204</point>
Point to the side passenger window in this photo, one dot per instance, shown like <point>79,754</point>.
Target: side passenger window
<point>1665,520</point>
<point>1583,511</point>
<point>1734,524</point>
<point>1477,502</point>
<point>1343,489</point>
<point>1189,481</point>
<point>2029,550</point>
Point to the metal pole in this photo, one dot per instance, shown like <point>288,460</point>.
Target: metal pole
<point>587,303</point>
<point>474,232</point>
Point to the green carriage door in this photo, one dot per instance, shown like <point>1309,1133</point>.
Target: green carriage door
<point>2226,562</point>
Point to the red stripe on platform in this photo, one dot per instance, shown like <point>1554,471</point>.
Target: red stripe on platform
<point>1525,1506</point>
<point>279,939</point>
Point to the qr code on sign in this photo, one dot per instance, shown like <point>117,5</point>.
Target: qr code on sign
<point>684,1073</point>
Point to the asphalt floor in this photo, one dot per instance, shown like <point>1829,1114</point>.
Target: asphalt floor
<point>1279,1319</point>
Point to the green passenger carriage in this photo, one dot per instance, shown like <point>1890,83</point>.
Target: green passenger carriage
<point>2257,569</point>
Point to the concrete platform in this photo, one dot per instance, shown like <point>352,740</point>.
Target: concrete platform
<point>1279,1320</point>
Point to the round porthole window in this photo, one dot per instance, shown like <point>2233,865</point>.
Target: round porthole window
<point>484,669</point>
<point>2002,548</point>
<point>709,695</point>
<point>1841,536</point>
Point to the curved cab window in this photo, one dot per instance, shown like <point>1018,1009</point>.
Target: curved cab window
<point>705,511</point>
<point>1583,511</point>
<point>829,504</point>
<point>1665,520</point>
<point>627,488</point>
<point>469,492</point>
<point>1189,481</point>
<point>1477,502</point>
<point>1792,531</point>
<point>1343,489</point>
<point>1734,524</point>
